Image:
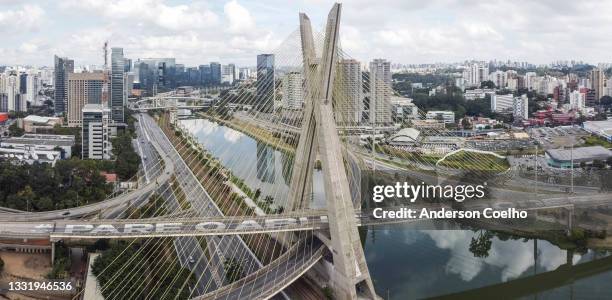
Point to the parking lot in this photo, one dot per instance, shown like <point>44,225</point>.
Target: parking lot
<point>499,145</point>
<point>557,137</point>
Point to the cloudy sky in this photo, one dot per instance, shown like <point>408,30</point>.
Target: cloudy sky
<point>404,31</point>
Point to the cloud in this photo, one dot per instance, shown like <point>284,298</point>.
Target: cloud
<point>239,18</point>
<point>26,18</point>
<point>150,12</point>
<point>513,257</point>
<point>402,31</point>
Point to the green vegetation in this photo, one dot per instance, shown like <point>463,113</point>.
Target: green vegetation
<point>596,141</point>
<point>403,81</point>
<point>14,130</point>
<point>409,157</point>
<point>233,270</point>
<point>265,204</point>
<point>139,268</point>
<point>470,161</point>
<point>40,187</point>
<point>127,160</point>
<point>61,264</point>
<point>481,243</point>
<point>329,293</point>
<point>156,206</point>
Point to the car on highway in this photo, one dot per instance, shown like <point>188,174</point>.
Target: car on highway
<point>190,259</point>
<point>66,213</point>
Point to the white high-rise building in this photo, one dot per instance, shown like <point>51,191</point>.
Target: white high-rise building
<point>33,85</point>
<point>520,108</point>
<point>15,100</point>
<point>380,92</point>
<point>293,97</point>
<point>476,73</point>
<point>501,103</point>
<point>499,78</point>
<point>350,109</point>
<point>529,80</point>
<point>577,100</point>
<point>96,132</point>
<point>227,74</point>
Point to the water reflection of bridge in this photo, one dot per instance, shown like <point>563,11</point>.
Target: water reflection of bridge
<point>531,285</point>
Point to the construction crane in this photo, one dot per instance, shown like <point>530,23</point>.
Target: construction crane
<point>105,49</point>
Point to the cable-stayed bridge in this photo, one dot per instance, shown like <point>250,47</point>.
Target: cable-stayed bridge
<point>214,222</point>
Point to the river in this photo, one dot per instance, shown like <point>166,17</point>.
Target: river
<point>411,263</point>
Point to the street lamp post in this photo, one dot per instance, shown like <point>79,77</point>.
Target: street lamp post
<point>572,170</point>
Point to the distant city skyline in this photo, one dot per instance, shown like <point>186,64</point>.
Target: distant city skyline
<point>405,32</point>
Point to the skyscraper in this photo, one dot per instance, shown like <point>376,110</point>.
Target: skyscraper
<point>63,66</point>
<point>215,73</point>
<point>33,87</point>
<point>117,99</point>
<point>349,110</point>
<point>232,68</point>
<point>597,83</point>
<point>227,74</point>
<point>265,83</point>
<point>205,74</point>
<point>293,97</point>
<point>380,92</point>
<point>83,89</point>
<point>15,100</point>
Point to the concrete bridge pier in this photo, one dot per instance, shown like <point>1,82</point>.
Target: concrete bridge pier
<point>52,253</point>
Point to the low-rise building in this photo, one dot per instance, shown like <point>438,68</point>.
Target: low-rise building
<point>427,124</point>
<point>602,129</point>
<point>403,109</point>
<point>478,93</point>
<point>447,116</point>
<point>500,103</point>
<point>405,137</point>
<point>39,124</point>
<point>563,158</point>
<point>41,142</point>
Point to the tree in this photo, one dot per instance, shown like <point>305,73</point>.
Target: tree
<point>15,130</point>
<point>233,270</point>
<point>44,203</point>
<point>488,84</point>
<point>598,164</point>
<point>606,101</point>
<point>465,123</point>
<point>481,244</point>
<point>127,160</point>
